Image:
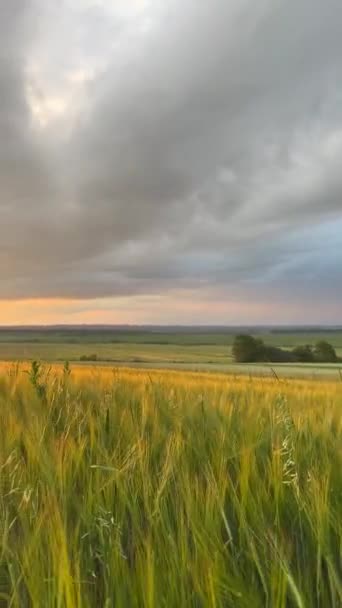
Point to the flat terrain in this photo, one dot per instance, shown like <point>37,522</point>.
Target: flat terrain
<point>140,489</point>
<point>189,348</point>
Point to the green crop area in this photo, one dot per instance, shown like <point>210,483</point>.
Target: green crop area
<point>187,336</point>
<point>118,352</point>
<point>123,488</point>
<point>189,348</point>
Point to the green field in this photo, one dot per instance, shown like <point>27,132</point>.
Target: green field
<point>168,489</point>
<point>178,349</point>
<point>178,336</point>
<point>119,352</point>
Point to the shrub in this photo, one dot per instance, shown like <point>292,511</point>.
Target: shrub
<point>278,355</point>
<point>304,354</point>
<point>88,357</point>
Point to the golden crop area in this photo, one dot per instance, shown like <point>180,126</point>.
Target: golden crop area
<point>153,489</point>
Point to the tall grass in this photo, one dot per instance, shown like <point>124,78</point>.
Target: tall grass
<point>162,489</point>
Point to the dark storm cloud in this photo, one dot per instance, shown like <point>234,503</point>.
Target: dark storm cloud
<point>203,147</point>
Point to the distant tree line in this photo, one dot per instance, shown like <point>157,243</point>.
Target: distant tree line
<point>247,349</point>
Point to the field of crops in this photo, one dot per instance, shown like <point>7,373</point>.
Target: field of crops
<point>165,489</point>
<point>196,349</point>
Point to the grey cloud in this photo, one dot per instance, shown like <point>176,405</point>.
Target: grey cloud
<point>200,151</point>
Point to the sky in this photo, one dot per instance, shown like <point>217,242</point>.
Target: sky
<point>171,162</point>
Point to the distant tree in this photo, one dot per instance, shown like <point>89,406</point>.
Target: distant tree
<point>247,349</point>
<point>304,354</point>
<point>325,352</point>
<point>273,354</point>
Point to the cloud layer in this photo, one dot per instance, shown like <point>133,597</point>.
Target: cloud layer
<point>170,146</point>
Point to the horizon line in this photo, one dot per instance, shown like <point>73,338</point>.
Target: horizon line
<point>334,326</point>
